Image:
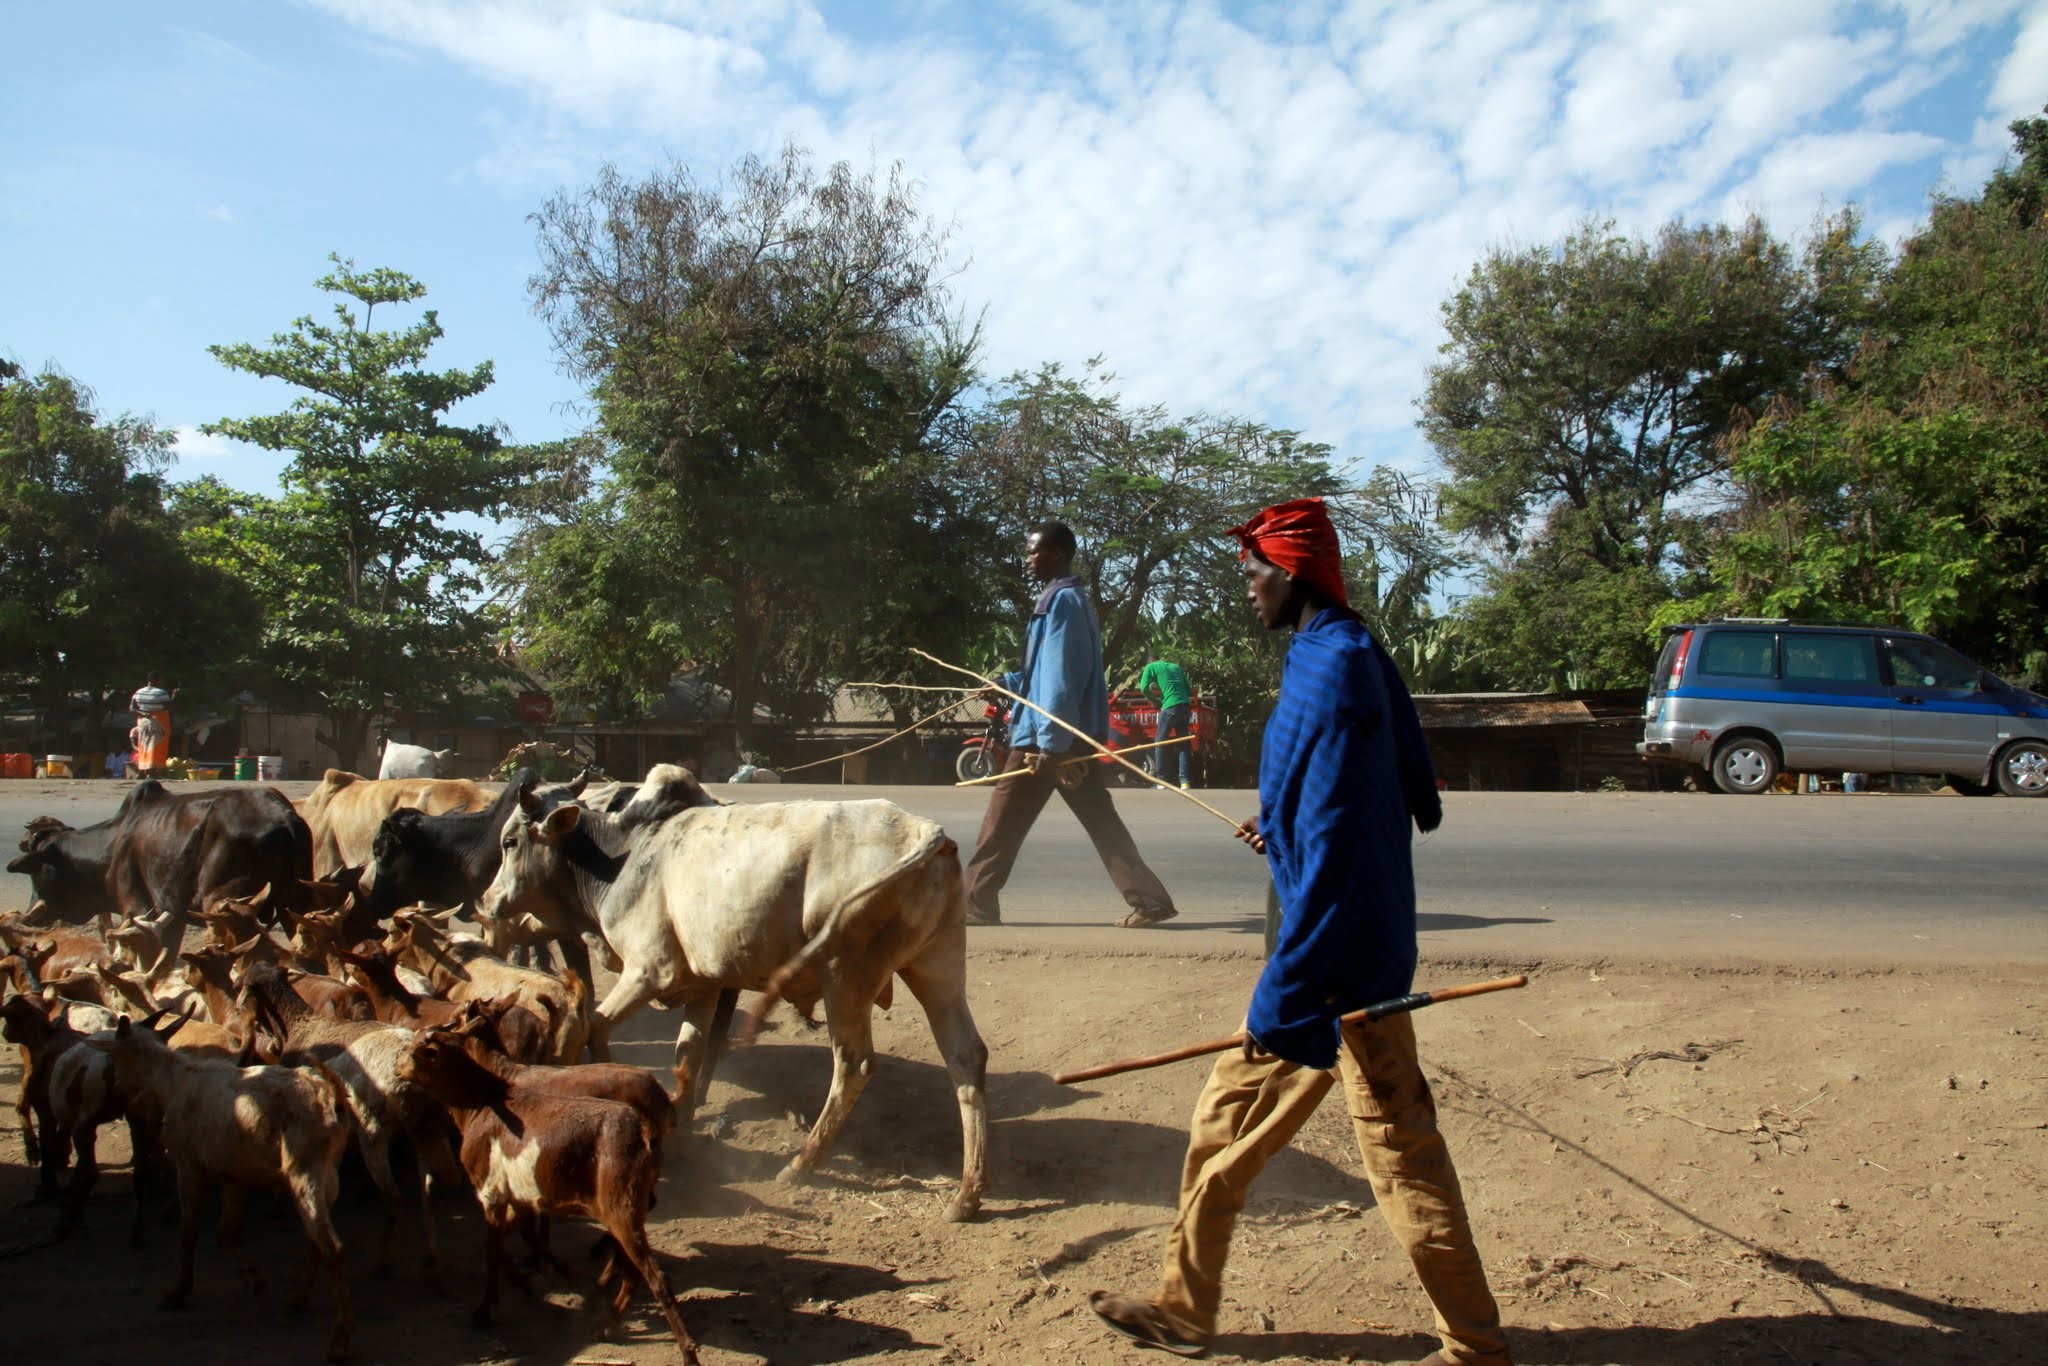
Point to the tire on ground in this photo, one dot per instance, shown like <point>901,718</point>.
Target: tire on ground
<point>1745,765</point>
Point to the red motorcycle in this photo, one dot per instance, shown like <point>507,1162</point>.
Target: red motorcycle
<point>984,755</point>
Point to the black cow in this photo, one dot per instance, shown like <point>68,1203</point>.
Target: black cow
<point>163,856</point>
<point>448,860</point>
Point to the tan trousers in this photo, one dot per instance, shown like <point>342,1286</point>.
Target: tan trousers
<point>1249,1111</point>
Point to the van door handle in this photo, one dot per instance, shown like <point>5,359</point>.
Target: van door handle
<point>1909,700</point>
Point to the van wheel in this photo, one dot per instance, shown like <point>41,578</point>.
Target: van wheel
<point>1745,765</point>
<point>2023,769</point>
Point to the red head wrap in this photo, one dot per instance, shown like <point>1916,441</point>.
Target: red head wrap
<point>1299,538</point>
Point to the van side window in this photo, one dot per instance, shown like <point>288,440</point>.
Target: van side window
<point>1817,658</point>
<point>1740,654</point>
<point>1924,664</point>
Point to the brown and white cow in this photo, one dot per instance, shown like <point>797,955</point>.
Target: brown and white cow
<point>345,810</point>
<point>821,901</point>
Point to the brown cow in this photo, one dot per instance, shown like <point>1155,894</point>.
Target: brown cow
<point>345,810</point>
<point>164,855</point>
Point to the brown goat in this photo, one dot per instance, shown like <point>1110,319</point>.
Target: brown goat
<point>72,1089</point>
<point>266,1128</point>
<point>535,1152</point>
<point>366,1056</point>
<point>522,1035</point>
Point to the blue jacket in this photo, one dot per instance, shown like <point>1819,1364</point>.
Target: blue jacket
<point>1338,784</point>
<point>1062,672</point>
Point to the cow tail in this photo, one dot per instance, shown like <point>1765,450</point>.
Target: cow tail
<point>938,843</point>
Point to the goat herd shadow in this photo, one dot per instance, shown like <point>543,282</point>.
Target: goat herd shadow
<point>91,1299</point>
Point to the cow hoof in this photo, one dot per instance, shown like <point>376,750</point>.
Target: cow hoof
<point>963,1208</point>
<point>795,1174</point>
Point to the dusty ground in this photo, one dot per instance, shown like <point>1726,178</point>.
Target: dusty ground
<point>1854,1173</point>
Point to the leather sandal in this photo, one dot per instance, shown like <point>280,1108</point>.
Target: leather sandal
<point>1141,1322</point>
<point>1141,916</point>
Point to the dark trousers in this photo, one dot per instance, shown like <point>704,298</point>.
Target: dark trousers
<point>1016,804</point>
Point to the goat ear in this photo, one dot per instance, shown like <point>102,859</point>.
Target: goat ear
<point>259,900</point>
<point>247,946</point>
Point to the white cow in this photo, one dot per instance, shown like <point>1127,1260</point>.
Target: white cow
<point>814,901</point>
<point>412,761</point>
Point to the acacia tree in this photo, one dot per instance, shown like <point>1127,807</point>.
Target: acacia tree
<point>1913,486</point>
<point>367,589</point>
<point>772,362</point>
<point>89,562</point>
<point>1583,409</point>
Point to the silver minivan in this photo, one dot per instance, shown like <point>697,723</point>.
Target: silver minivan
<point>1745,699</point>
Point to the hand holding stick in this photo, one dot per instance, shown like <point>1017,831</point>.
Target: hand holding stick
<point>1398,1006</point>
<point>1080,735</point>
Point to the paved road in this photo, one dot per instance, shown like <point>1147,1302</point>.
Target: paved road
<point>1873,880</point>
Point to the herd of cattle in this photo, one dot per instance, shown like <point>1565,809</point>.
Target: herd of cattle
<point>327,994</point>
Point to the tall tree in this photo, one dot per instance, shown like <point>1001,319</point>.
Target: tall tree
<point>366,583</point>
<point>1912,486</point>
<point>773,362</point>
<point>1150,498</point>
<point>1582,413</point>
<point>89,561</point>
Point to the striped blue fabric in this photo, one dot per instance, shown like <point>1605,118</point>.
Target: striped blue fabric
<point>1336,825</point>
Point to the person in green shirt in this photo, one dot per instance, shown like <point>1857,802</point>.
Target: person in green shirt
<point>1167,685</point>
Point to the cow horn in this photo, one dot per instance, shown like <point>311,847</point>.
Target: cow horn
<point>529,803</point>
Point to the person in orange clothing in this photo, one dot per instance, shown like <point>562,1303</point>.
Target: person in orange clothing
<point>151,705</point>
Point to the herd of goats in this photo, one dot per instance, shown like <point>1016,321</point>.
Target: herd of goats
<point>252,983</point>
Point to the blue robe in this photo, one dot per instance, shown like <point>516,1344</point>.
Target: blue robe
<point>1342,771</point>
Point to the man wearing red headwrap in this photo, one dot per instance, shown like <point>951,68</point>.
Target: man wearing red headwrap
<point>1344,781</point>
<point>1299,538</point>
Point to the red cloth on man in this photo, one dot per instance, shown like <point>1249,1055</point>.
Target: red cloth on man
<point>1299,538</point>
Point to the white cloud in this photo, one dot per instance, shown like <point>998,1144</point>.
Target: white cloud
<point>1256,210</point>
<point>219,213</point>
<point>193,444</point>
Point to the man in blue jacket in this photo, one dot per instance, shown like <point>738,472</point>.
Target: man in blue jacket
<point>1342,772</point>
<point>1062,673</point>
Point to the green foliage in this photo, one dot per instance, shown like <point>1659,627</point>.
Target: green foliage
<point>1913,486</point>
<point>365,585</point>
<point>774,368</point>
<point>1582,412</point>
<point>90,566</point>
<point>1150,499</point>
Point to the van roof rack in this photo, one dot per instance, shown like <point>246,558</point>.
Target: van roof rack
<point>1811,621</point>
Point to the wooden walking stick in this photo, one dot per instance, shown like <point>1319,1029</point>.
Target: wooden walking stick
<point>1400,1005</point>
<point>1080,735</point>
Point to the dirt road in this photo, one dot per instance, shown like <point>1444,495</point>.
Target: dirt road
<point>1855,1170</point>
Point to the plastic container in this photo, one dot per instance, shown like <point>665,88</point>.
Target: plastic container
<point>56,765</point>
<point>17,765</point>
<point>270,768</point>
<point>245,768</point>
<point>203,775</point>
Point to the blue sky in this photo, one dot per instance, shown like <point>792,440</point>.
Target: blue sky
<point>1251,208</point>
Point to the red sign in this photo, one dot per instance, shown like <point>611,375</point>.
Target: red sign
<point>536,709</point>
